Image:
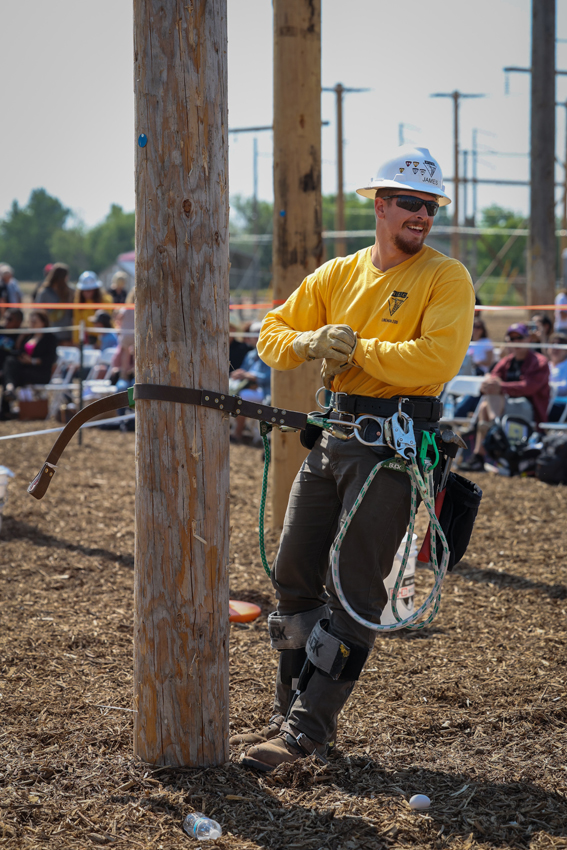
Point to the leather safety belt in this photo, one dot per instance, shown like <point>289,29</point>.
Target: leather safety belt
<point>154,392</point>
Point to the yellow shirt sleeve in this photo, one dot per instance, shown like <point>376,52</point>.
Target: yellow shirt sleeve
<point>435,356</point>
<point>304,310</point>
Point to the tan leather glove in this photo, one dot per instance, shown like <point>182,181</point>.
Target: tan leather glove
<point>330,368</point>
<point>331,341</point>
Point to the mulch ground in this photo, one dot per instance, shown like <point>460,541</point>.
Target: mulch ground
<point>471,711</point>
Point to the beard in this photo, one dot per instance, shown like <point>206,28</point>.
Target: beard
<point>409,247</point>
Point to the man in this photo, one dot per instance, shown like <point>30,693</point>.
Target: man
<point>393,320</point>
<point>518,385</point>
<point>11,285</point>
<point>13,318</point>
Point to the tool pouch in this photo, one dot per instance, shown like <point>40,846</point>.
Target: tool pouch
<point>311,433</point>
<point>457,516</point>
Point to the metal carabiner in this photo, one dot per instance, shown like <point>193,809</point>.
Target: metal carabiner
<point>402,434</point>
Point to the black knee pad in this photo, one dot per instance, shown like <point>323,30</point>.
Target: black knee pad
<point>333,657</point>
<point>291,665</point>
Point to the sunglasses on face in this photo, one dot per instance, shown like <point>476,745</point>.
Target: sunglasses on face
<point>515,338</point>
<point>411,204</point>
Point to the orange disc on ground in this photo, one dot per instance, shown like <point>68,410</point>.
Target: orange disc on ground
<point>242,612</point>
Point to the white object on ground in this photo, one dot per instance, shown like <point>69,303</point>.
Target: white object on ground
<point>419,801</point>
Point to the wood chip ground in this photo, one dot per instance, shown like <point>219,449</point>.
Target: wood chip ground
<point>471,711</point>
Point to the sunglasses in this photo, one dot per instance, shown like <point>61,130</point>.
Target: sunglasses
<point>411,204</point>
<point>515,338</point>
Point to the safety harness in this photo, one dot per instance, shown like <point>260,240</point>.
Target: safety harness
<point>395,431</point>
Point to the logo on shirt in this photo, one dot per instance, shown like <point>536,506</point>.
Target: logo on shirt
<point>396,300</point>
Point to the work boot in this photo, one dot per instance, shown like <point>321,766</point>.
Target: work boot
<point>287,747</point>
<point>266,733</point>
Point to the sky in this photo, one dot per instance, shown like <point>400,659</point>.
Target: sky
<point>67,103</point>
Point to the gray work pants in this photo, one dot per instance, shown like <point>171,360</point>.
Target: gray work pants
<point>322,494</point>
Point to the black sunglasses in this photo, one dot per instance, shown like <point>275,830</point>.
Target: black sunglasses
<point>411,204</point>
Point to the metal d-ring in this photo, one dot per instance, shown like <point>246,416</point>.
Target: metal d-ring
<point>379,441</point>
<point>324,407</point>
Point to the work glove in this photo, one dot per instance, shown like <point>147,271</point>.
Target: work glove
<point>331,341</point>
<point>330,368</point>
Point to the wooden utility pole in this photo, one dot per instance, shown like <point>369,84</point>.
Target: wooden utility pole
<point>541,241</point>
<point>456,98</point>
<point>182,482</point>
<point>340,241</point>
<point>298,244</point>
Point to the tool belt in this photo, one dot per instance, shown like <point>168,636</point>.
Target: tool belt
<point>427,408</point>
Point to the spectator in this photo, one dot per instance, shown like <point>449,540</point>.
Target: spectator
<point>123,360</point>
<point>10,284</point>
<point>481,349</point>
<point>118,287</point>
<point>13,318</point>
<point>543,327</point>
<point>560,325</point>
<point>55,289</point>
<point>558,371</point>
<point>89,291</point>
<point>254,377</point>
<point>238,348</point>
<point>31,362</point>
<point>518,386</point>
<point>101,319</point>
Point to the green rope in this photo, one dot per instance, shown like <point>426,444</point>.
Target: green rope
<point>264,431</point>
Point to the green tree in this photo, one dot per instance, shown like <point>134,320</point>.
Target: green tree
<point>69,245</point>
<point>251,263</point>
<point>115,235</point>
<point>26,233</point>
<point>489,245</point>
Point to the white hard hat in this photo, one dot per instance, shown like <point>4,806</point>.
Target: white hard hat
<point>88,280</point>
<point>411,168</point>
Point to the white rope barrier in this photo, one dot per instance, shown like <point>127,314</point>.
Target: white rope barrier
<point>113,419</point>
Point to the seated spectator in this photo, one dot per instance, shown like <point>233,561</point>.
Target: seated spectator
<point>89,291</point>
<point>123,360</point>
<point>481,349</point>
<point>558,372</point>
<point>101,319</point>
<point>118,287</point>
<point>560,324</point>
<point>9,287</point>
<point>31,362</point>
<point>254,378</point>
<point>13,318</point>
<point>517,386</point>
<point>55,289</point>
<point>542,326</point>
<point>238,348</point>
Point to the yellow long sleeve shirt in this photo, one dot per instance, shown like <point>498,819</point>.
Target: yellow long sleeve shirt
<point>414,321</point>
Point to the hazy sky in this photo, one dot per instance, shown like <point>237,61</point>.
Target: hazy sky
<point>66,103</point>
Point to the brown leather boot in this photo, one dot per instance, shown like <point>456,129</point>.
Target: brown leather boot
<point>286,748</point>
<point>268,732</point>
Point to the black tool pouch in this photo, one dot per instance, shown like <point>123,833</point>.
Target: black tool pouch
<point>457,517</point>
<point>311,433</point>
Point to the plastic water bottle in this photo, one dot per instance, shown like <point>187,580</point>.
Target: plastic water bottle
<point>449,407</point>
<point>198,826</point>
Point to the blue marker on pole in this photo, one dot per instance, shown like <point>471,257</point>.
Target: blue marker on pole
<point>142,140</point>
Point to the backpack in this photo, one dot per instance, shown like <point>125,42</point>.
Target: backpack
<point>551,465</point>
<point>508,443</point>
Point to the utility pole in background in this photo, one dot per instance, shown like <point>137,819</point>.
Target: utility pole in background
<point>181,336</point>
<point>541,241</point>
<point>298,243</point>
<point>340,241</point>
<point>564,202</point>
<point>456,97</point>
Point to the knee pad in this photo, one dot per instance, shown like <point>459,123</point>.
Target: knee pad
<point>291,665</point>
<point>290,631</point>
<point>333,657</point>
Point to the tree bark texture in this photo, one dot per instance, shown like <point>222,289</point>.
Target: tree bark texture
<point>298,243</point>
<point>182,476</point>
<point>542,243</point>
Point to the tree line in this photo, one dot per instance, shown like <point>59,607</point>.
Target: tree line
<point>45,231</point>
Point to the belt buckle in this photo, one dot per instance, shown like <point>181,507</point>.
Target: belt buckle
<point>337,402</point>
